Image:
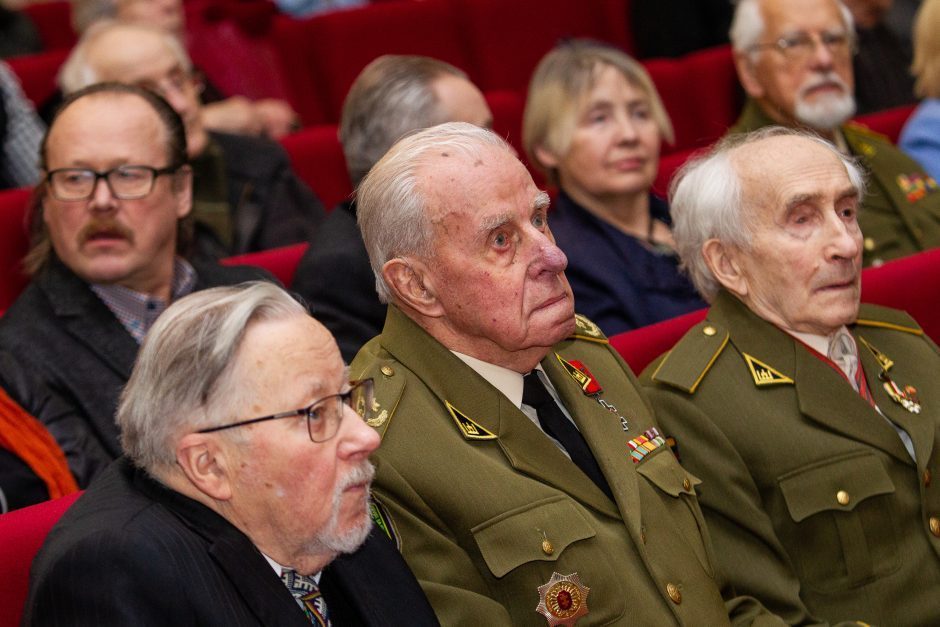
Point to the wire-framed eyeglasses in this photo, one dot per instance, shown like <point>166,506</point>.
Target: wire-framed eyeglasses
<point>325,415</point>
<point>801,46</point>
<point>127,182</point>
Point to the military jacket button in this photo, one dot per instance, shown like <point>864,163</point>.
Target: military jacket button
<point>547,547</point>
<point>387,371</point>
<point>842,497</point>
<point>935,526</point>
<point>686,484</point>
<point>673,591</point>
<point>709,331</point>
<point>869,244</point>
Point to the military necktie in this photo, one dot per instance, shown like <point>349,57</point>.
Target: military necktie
<point>556,424</point>
<point>308,596</point>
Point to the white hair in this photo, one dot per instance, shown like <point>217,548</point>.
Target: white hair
<point>706,201</point>
<point>392,210</point>
<point>747,25</point>
<point>77,72</point>
<point>182,378</point>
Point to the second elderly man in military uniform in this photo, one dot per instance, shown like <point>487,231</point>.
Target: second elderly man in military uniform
<point>521,468</point>
<point>812,421</point>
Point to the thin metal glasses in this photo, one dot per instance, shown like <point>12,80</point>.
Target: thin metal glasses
<point>801,46</point>
<point>325,415</point>
<point>127,182</point>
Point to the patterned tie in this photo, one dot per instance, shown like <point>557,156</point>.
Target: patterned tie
<point>308,596</point>
<point>842,352</point>
<point>556,424</point>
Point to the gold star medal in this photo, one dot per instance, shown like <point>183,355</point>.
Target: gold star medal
<point>563,600</point>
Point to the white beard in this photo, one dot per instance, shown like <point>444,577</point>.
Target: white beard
<point>331,539</point>
<point>828,111</point>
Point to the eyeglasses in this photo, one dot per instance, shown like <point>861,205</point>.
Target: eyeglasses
<point>801,46</point>
<point>324,415</point>
<point>127,182</point>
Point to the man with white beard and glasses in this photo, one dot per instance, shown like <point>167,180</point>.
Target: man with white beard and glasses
<point>794,60</point>
<point>230,506</point>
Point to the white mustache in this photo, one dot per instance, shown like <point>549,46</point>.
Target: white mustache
<point>822,79</point>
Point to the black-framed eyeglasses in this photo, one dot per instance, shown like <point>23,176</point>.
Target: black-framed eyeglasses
<point>801,46</point>
<point>127,182</point>
<point>325,415</point>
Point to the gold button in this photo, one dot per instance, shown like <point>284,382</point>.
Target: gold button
<point>935,526</point>
<point>686,484</point>
<point>547,547</point>
<point>673,591</point>
<point>869,244</point>
<point>927,478</point>
<point>709,331</point>
<point>388,371</point>
<point>843,497</point>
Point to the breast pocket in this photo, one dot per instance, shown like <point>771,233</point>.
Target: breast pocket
<point>843,531</point>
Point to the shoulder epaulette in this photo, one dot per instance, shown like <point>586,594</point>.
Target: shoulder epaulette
<point>389,385</point>
<point>861,129</point>
<point>689,361</point>
<point>587,330</point>
<point>887,318</point>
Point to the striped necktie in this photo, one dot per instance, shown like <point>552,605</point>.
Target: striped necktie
<point>308,596</point>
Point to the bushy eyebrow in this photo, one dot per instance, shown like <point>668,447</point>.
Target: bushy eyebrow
<point>799,199</point>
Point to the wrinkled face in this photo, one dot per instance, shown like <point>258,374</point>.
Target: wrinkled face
<point>140,57</point>
<point>105,239</point>
<point>495,268</point>
<point>165,14</point>
<point>309,497</point>
<point>460,101</point>
<point>803,270</point>
<point>615,145</point>
<point>814,88</point>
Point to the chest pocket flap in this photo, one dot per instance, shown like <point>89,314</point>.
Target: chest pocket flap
<point>516,537</point>
<point>839,484</point>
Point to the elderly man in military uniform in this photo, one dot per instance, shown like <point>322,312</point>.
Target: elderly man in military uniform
<point>811,420</point>
<point>521,469</point>
<point>794,60</point>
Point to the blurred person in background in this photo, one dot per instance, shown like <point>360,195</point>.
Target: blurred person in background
<point>594,125</point>
<point>921,135</point>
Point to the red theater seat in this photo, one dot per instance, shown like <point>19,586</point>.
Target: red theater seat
<point>281,262</point>
<point>22,533</point>
<point>507,39</point>
<point>668,165</point>
<point>53,20</point>
<point>317,157</point>
<point>37,73</point>
<point>888,122</point>
<point>14,243</point>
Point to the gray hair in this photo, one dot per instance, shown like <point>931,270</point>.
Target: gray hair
<point>182,380</point>
<point>391,209</point>
<point>747,25</point>
<point>85,13</point>
<point>392,96</point>
<point>77,72</point>
<point>706,201</point>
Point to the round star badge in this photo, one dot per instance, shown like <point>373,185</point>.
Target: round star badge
<point>563,600</point>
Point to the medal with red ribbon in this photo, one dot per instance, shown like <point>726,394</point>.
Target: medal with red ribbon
<point>590,386</point>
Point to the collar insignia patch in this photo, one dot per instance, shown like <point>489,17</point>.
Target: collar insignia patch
<point>469,429</point>
<point>764,374</point>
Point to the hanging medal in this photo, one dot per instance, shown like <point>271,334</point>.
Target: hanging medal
<point>903,395</point>
<point>590,387</point>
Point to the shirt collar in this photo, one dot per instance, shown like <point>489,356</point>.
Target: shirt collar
<point>819,343</point>
<point>507,381</point>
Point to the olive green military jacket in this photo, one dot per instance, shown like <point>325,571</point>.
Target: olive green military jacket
<point>486,508</point>
<point>901,212</point>
<point>814,505</point>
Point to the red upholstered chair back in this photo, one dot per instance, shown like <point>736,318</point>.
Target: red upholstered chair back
<point>53,20</point>
<point>22,532</point>
<point>37,73</point>
<point>317,158</point>
<point>14,242</point>
<point>888,122</point>
<point>908,284</point>
<point>281,262</point>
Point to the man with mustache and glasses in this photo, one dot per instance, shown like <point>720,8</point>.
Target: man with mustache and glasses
<point>243,496</point>
<point>106,220</point>
<point>813,421</point>
<point>794,60</point>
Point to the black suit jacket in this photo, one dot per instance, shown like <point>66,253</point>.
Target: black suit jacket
<point>336,280</point>
<point>62,336</point>
<point>133,552</point>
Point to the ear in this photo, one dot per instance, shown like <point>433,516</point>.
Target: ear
<point>723,260</point>
<point>545,157</point>
<point>205,463</point>
<point>183,186</point>
<point>747,74</point>
<point>411,283</point>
